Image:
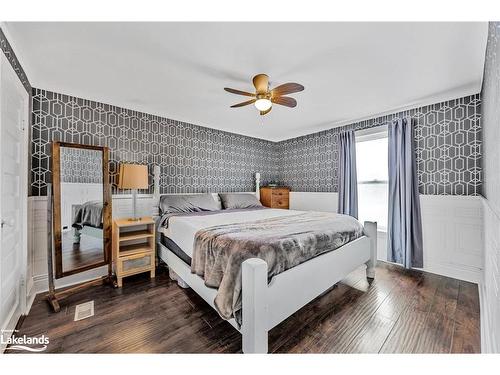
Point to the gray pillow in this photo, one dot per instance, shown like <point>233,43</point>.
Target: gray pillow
<point>170,203</point>
<point>232,200</point>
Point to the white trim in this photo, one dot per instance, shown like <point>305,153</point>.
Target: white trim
<point>24,284</point>
<point>488,340</point>
<point>370,134</point>
<point>41,282</point>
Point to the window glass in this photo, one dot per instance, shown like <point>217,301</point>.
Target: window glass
<point>372,173</point>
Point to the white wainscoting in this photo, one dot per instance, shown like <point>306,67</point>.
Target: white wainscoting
<point>452,233</point>
<point>37,239</point>
<point>489,290</point>
<point>452,229</point>
<point>453,240</point>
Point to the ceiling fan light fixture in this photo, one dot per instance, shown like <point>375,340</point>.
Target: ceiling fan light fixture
<point>263,104</point>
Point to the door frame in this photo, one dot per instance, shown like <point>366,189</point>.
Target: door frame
<point>23,185</point>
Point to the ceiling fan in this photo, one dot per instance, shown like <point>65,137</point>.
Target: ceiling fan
<point>264,98</point>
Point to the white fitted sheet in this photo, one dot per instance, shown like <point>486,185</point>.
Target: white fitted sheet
<point>182,229</point>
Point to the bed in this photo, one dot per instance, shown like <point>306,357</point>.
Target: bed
<point>87,219</point>
<point>251,289</point>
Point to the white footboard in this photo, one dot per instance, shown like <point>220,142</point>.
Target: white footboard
<point>254,306</point>
<point>265,306</point>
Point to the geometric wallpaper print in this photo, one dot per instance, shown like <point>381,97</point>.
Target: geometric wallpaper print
<point>81,166</point>
<point>447,143</point>
<point>11,56</point>
<point>191,158</point>
<point>197,159</point>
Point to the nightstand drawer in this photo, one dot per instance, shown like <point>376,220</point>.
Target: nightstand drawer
<point>280,193</point>
<point>280,203</point>
<point>135,263</point>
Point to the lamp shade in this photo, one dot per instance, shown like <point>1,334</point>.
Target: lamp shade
<point>133,176</point>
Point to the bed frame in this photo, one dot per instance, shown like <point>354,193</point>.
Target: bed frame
<point>266,305</point>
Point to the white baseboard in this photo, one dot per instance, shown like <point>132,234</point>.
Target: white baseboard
<point>41,282</point>
<point>9,328</point>
<point>488,339</point>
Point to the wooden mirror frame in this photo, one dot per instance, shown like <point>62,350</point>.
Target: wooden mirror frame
<point>106,213</point>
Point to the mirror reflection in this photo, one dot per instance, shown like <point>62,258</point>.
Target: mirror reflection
<point>81,176</point>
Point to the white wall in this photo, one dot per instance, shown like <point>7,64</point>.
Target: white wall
<point>452,231</point>
<point>490,117</point>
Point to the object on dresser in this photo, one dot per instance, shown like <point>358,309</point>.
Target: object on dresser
<point>275,197</point>
<point>133,247</point>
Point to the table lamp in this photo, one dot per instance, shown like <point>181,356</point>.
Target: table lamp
<point>133,176</point>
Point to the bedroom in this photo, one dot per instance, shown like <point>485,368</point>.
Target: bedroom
<point>248,187</point>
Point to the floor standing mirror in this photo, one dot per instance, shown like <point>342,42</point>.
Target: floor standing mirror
<point>81,215</point>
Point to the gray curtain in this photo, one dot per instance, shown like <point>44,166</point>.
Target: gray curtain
<point>404,232</point>
<point>348,181</point>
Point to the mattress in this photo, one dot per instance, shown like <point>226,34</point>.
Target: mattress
<point>182,229</point>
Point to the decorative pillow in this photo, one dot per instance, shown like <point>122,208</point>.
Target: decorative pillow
<point>232,200</point>
<point>188,203</point>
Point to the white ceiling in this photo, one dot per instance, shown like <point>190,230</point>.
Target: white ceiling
<point>350,71</point>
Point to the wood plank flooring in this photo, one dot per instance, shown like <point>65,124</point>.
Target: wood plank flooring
<point>400,312</point>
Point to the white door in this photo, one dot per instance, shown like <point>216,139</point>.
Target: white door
<point>13,197</point>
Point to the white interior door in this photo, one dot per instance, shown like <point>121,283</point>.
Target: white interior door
<point>13,196</point>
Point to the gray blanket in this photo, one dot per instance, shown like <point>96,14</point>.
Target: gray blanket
<point>283,242</point>
<point>88,214</point>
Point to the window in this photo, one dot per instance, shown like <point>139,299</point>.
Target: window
<point>372,173</point>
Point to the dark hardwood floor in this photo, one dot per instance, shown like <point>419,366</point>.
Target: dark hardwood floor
<point>400,312</point>
<point>90,250</point>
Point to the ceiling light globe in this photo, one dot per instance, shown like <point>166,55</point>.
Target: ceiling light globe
<point>263,104</point>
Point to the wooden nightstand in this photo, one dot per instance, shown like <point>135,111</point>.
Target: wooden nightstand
<point>275,197</point>
<point>133,247</point>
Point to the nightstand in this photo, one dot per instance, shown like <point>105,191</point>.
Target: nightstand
<point>275,197</point>
<point>133,247</point>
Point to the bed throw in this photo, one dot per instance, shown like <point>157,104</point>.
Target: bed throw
<point>88,214</point>
<point>283,242</point>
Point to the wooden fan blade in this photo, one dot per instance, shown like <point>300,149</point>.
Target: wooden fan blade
<point>238,92</point>
<point>243,103</point>
<point>284,100</point>
<point>286,88</point>
<point>262,113</point>
<point>261,83</point>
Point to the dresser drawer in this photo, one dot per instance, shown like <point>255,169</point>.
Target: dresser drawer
<point>136,263</point>
<point>280,202</point>
<point>280,193</point>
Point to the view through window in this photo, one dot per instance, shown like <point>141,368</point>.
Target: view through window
<point>372,173</point>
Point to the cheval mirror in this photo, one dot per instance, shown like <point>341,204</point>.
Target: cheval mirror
<point>81,214</point>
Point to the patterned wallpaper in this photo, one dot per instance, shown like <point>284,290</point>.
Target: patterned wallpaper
<point>448,147</point>
<point>11,56</point>
<point>191,158</point>
<point>198,159</point>
<point>81,166</point>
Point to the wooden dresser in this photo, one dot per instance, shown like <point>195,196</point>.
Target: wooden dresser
<point>275,197</point>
